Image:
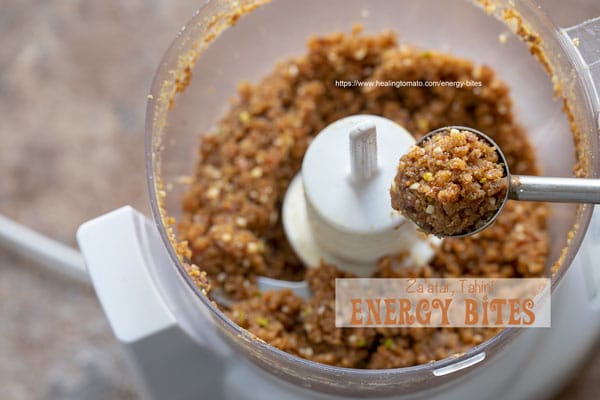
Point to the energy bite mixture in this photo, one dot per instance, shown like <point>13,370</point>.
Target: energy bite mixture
<point>231,213</point>
<point>451,184</point>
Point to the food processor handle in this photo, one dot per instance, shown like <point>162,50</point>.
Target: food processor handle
<point>557,190</point>
<point>585,43</point>
<point>119,249</point>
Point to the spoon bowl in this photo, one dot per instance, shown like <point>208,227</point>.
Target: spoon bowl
<point>523,187</point>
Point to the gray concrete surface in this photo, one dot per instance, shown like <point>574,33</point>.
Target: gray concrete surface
<point>73,81</point>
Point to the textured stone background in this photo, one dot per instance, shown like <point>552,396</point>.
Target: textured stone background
<point>73,81</point>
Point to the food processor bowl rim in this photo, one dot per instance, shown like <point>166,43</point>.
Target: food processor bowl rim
<point>152,167</point>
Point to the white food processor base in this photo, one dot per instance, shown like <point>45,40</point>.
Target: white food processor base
<point>123,248</point>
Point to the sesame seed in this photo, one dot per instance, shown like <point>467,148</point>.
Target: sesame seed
<point>212,172</point>
<point>293,70</point>
<point>360,54</point>
<point>213,192</point>
<point>306,351</point>
<point>241,222</point>
<point>252,247</point>
<point>256,172</point>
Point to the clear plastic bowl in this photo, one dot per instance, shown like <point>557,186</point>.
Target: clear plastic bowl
<point>274,31</point>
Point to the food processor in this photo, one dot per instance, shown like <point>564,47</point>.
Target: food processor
<point>181,345</point>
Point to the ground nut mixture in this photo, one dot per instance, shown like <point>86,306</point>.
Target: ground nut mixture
<point>450,184</point>
<point>232,224</point>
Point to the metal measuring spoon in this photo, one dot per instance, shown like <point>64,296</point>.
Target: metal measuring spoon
<point>528,188</point>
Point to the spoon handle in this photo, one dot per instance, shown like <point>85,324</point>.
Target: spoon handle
<point>557,190</point>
